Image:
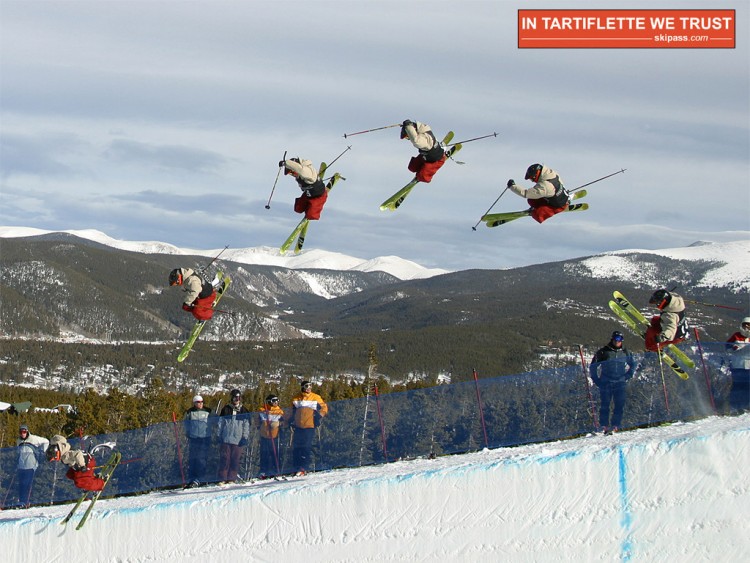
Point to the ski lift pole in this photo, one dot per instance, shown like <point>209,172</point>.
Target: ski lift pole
<point>705,370</point>
<point>599,180</point>
<point>470,140</point>
<point>474,228</point>
<point>481,411</point>
<point>371,130</point>
<point>268,205</point>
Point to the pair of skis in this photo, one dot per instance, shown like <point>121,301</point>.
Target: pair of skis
<point>198,327</point>
<point>300,231</point>
<point>395,201</point>
<point>106,473</point>
<point>639,324</point>
<point>497,219</point>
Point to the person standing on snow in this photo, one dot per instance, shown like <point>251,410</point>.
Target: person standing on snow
<point>307,410</point>
<point>270,417</point>
<point>611,367</point>
<point>198,427</point>
<point>314,192</point>
<point>431,154</point>
<point>199,294</point>
<point>234,432</point>
<point>80,464</point>
<point>670,327</point>
<point>28,446</point>
<point>739,364</point>
<point>547,197</point>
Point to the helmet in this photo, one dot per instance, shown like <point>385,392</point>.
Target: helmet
<point>617,336</point>
<point>660,298</point>
<point>533,172</point>
<point>306,386</point>
<point>235,393</point>
<point>53,453</point>
<point>175,277</point>
<point>745,321</point>
<point>271,399</point>
<point>403,127</point>
<point>197,399</point>
<point>288,171</point>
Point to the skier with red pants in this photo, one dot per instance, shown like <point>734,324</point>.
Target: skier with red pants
<point>547,197</point>
<point>670,327</point>
<point>200,294</point>
<point>431,155</point>
<point>80,464</point>
<point>314,193</point>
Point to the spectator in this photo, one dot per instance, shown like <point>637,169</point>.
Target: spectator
<point>610,369</point>
<point>739,364</point>
<point>80,464</point>
<point>198,427</point>
<point>308,409</point>
<point>270,417</point>
<point>29,446</point>
<point>234,431</point>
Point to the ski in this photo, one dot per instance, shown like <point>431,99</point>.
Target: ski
<point>395,201</point>
<point>497,219</point>
<point>640,330</point>
<point>198,327</point>
<point>641,318</point>
<point>295,233</point>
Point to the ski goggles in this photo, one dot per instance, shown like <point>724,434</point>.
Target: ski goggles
<point>617,338</point>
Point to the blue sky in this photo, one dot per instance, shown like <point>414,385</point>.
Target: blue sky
<point>166,121</point>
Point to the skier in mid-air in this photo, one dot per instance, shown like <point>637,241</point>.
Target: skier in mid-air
<point>200,294</point>
<point>431,154</point>
<point>80,464</point>
<point>669,327</point>
<point>547,197</point>
<point>314,192</point>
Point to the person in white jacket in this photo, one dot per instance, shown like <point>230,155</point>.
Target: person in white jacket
<point>547,197</point>
<point>30,446</point>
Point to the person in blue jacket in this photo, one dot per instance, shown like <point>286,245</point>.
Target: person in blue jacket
<point>611,367</point>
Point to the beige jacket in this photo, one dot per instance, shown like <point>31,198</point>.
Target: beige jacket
<point>670,319</point>
<point>70,457</point>
<point>192,285</point>
<point>419,137</point>
<point>304,170</point>
<point>543,188</point>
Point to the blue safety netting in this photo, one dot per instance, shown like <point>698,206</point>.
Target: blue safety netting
<point>505,411</point>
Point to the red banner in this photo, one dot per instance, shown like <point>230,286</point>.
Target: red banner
<point>626,29</point>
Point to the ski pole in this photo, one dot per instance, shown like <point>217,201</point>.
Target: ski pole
<point>214,259</point>
<point>592,407</point>
<point>474,228</point>
<point>599,180</point>
<point>713,305</point>
<point>268,205</point>
<point>470,140</point>
<point>371,130</point>
<point>214,310</point>
<point>179,449</point>
<point>481,411</point>
<point>339,156</point>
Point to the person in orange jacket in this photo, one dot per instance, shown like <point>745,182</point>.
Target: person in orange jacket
<point>269,420</point>
<point>308,409</point>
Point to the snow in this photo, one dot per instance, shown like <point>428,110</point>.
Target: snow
<point>261,255</point>
<point>670,493</point>
<point>733,259</point>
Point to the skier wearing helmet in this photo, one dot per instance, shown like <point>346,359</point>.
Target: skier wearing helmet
<point>270,417</point>
<point>547,197</point>
<point>739,364</point>
<point>611,367</point>
<point>670,327</point>
<point>199,294</point>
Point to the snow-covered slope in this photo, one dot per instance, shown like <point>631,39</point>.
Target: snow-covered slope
<point>677,493</point>
<point>262,255</point>
<point>731,259</point>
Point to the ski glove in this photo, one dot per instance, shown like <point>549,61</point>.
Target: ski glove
<point>281,163</point>
<point>187,307</point>
<point>243,442</point>
<point>511,182</point>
